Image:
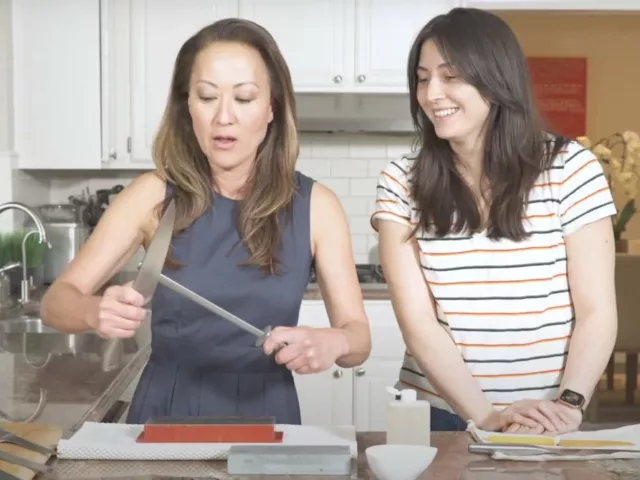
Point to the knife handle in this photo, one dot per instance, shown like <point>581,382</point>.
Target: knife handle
<point>267,332</point>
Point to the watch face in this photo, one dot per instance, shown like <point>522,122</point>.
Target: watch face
<point>572,398</point>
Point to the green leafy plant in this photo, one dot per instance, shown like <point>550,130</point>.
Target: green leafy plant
<point>620,156</point>
<point>11,248</point>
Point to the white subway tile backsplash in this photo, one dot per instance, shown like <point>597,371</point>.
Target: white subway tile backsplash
<point>376,166</point>
<point>331,146</point>
<point>347,163</point>
<point>368,147</point>
<point>348,168</point>
<point>340,186</point>
<point>399,147</point>
<point>364,187</point>
<point>314,167</point>
<point>356,206</point>
<point>360,225</point>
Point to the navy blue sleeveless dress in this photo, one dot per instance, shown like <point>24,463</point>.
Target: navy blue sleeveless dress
<point>202,365</point>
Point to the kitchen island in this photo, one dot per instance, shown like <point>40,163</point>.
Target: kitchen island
<point>452,462</point>
<point>80,389</point>
<point>91,393</point>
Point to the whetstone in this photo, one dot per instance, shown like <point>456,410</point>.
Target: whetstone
<point>289,460</point>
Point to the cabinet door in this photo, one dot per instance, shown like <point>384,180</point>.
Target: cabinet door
<point>158,30</point>
<point>385,32</point>
<point>56,84</point>
<point>326,399</point>
<point>380,371</point>
<point>315,37</point>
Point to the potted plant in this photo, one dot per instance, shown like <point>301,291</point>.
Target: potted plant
<point>620,157</point>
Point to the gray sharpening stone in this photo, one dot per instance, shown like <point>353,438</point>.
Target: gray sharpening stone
<point>289,460</point>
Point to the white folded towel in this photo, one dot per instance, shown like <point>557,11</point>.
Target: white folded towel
<point>630,433</point>
<point>117,441</point>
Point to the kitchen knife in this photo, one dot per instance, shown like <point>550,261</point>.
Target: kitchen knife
<point>146,280</point>
<point>563,442</point>
<point>522,449</point>
<point>23,462</point>
<point>150,274</point>
<point>9,437</point>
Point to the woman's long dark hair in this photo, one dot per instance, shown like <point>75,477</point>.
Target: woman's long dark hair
<point>517,148</point>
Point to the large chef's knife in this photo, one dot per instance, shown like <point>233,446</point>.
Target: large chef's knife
<point>150,274</point>
<point>151,266</point>
<point>9,437</point>
<point>24,462</point>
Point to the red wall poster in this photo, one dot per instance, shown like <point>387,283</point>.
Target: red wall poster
<point>560,86</point>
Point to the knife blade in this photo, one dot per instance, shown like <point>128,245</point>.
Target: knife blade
<point>521,449</point>
<point>9,437</point>
<point>23,462</point>
<point>146,280</point>
<point>562,442</point>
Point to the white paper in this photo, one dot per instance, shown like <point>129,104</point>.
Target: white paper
<point>117,441</point>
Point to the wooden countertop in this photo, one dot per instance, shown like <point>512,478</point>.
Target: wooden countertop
<point>452,462</point>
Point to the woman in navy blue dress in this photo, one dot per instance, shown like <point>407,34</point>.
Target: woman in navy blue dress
<point>248,229</point>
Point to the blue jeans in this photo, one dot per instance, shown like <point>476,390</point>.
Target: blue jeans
<point>444,421</point>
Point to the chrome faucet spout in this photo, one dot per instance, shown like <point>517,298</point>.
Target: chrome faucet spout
<point>34,216</point>
<point>42,234</point>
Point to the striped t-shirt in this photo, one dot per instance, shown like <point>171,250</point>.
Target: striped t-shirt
<point>505,304</point>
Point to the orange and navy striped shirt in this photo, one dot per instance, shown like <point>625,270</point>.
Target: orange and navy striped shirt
<point>505,304</point>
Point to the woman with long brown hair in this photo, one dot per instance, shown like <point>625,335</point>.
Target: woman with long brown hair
<point>248,229</point>
<point>496,241</point>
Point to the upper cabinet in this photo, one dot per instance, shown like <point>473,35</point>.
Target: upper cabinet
<point>56,84</point>
<point>91,77</point>
<point>314,36</point>
<point>157,31</point>
<point>345,45</point>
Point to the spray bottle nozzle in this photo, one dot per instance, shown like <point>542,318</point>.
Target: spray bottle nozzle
<point>395,392</point>
<point>406,394</point>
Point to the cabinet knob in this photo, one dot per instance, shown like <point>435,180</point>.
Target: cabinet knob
<point>361,78</point>
<point>337,373</point>
<point>337,79</point>
<point>113,155</point>
<point>360,372</point>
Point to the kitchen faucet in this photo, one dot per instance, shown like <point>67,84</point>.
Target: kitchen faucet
<point>34,216</point>
<point>25,285</point>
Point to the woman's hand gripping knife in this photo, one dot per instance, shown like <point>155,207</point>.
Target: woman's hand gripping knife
<point>72,304</point>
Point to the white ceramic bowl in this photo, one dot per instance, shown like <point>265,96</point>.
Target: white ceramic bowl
<point>399,462</point>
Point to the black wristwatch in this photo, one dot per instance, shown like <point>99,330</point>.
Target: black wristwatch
<point>572,399</point>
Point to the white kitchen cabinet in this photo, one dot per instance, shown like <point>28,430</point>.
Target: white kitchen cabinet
<point>145,37</point>
<point>56,84</point>
<point>345,45</point>
<point>325,398</point>
<point>381,370</point>
<point>384,34</point>
<point>314,36</point>
<point>353,396</point>
<point>585,5</point>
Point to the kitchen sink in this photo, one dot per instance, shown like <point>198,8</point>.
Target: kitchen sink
<point>28,336</point>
